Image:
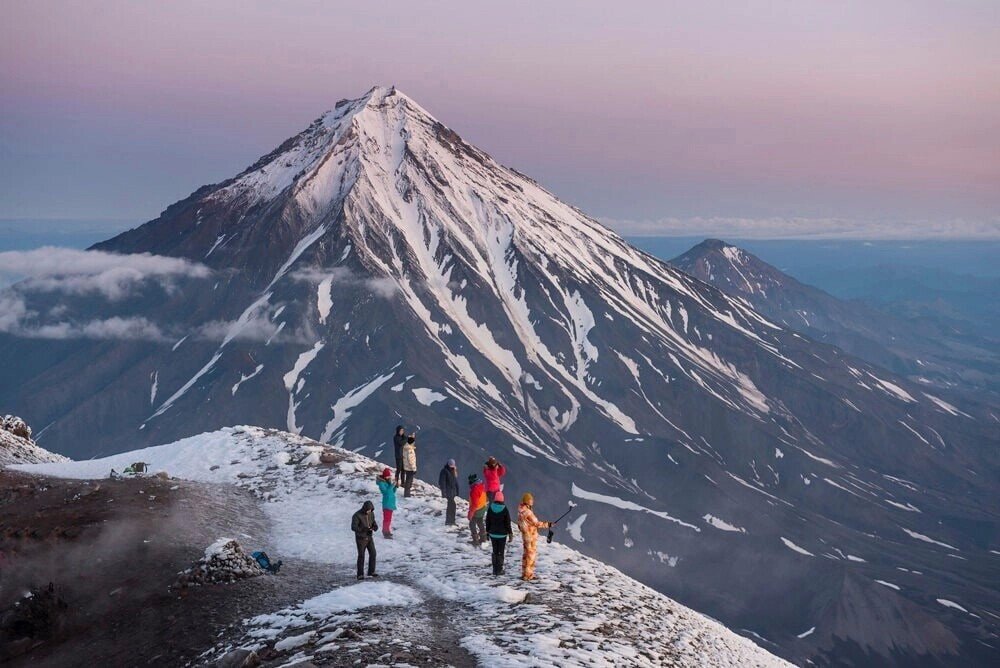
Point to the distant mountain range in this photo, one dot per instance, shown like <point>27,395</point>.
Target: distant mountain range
<point>935,352</point>
<point>376,269</point>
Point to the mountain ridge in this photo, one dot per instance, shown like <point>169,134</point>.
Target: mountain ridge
<point>591,613</point>
<point>935,356</point>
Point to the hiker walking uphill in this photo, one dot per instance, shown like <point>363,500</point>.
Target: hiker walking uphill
<point>409,463</point>
<point>499,530</point>
<point>388,489</point>
<point>493,471</point>
<point>477,510</point>
<point>448,483</point>
<point>364,526</point>
<point>529,526</point>
<point>398,441</point>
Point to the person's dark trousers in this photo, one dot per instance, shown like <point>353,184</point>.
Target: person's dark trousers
<point>366,545</point>
<point>449,516</point>
<point>498,549</point>
<point>399,468</point>
<point>477,526</point>
<point>407,482</point>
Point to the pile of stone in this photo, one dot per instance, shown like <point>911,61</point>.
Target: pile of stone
<point>224,562</point>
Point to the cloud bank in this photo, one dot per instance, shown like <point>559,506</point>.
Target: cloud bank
<point>808,228</point>
<point>79,272</point>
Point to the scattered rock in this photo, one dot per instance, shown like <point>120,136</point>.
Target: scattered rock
<point>16,426</point>
<point>38,616</point>
<point>239,658</point>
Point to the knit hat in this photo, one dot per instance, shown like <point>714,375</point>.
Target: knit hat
<point>498,497</point>
<point>527,499</point>
<point>451,463</point>
<point>472,478</point>
<point>386,473</point>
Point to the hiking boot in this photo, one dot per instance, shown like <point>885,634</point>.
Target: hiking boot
<point>373,575</point>
<point>361,577</point>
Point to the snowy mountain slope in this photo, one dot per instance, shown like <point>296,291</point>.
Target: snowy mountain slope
<point>928,352</point>
<point>580,612</point>
<point>377,269</point>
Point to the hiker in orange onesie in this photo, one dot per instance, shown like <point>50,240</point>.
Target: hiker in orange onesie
<point>529,526</point>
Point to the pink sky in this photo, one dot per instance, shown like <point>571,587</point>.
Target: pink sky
<point>879,111</point>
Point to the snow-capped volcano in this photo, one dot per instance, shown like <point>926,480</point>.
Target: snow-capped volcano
<point>377,269</point>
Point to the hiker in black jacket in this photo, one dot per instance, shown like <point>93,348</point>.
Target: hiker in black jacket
<point>364,526</point>
<point>499,531</point>
<point>448,483</point>
<point>398,440</point>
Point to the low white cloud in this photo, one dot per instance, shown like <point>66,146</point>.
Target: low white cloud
<point>807,228</point>
<point>13,312</point>
<point>79,272</point>
<point>18,320</point>
<point>382,287</point>
<point>127,329</point>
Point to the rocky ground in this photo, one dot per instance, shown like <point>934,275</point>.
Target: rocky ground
<point>112,550</point>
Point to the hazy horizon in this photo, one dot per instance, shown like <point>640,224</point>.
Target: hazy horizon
<point>797,118</point>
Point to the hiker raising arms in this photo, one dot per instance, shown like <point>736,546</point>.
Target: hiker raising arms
<point>529,526</point>
<point>388,489</point>
<point>477,509</point>
<point>398,441</point>
<point>498,529</point>
<point>364,526</point>
<point>448,483</point>
<point>492,473</point>
<point>409,463</point>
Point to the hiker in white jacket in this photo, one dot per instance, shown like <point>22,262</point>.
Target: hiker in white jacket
<point>409,463</point>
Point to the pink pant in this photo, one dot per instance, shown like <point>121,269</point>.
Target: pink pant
<point>386,521</point>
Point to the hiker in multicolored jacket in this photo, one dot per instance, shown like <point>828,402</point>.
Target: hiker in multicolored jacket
<point>529,526</point>
<point>477,510</point>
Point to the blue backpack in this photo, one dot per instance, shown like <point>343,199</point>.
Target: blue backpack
<point>265,562</point>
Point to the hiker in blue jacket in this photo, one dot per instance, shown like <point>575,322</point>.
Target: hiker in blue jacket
<point>388,489</point>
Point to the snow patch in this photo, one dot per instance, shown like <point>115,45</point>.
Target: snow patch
<point>722,524</point>
<point>795,548</point>
<point>427,396</point>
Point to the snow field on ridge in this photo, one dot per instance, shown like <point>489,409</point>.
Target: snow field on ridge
<point>579,612</point>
